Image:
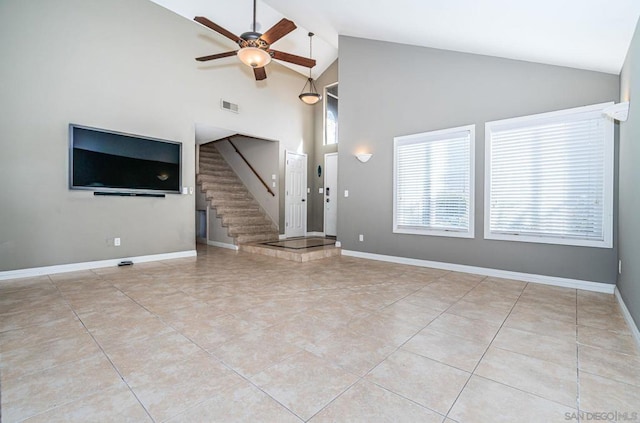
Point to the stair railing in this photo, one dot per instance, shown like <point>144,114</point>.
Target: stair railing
<point>251,167</point>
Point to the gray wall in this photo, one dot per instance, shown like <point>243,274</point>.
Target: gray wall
<point>316,211</point>
<point>125,65</point>
<point>389,89</point>
<point>628,221</point>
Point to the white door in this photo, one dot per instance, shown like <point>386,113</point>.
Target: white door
<point>295,200</point>
<point>330,194</point>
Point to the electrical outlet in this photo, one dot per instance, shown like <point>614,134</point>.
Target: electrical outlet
<point>346,193</point>
<point>116,242</point>
<point>361,237</point>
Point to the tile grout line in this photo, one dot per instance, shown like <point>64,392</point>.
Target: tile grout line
<point>411,337</point>
<point>362,378</point>
<point>384,295</point>
<point>210,355</point>
<point>577,362</point>
<point>52,367</point>
<point>44,411</point>
<point>181,361</point>
<point>472,373</point>
<point>104,352</point>
<point>188,357</point>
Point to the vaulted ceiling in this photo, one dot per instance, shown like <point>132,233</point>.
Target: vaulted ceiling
<point>584,34</point>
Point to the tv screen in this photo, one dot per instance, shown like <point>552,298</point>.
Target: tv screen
<point>110,161</point>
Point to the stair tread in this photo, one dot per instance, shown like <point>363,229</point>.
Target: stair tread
<point>251,230</point>
<point>233,203</point>
<point>237,211</point>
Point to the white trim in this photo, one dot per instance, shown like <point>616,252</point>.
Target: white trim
<point>324,112</point>
<point>223,245</point>
<point>282,236</point>
<point>506,274</point>
<point>573,114</point>
<point>324,193</point>
<point>74,267</point>
<point>433,136</point>
<point>627,316</point>
<point>315,234</point>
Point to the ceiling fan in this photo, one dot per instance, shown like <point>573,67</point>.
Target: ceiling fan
<point>255,48</point>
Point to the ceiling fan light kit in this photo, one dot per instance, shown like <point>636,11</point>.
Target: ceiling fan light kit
<point>255,48</point>
<point>254,57</point>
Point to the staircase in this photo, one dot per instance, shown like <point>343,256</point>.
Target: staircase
<point>241,214</point>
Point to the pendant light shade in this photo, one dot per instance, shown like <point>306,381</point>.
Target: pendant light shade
<point>309,94</point>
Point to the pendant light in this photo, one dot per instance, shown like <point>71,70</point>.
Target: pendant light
<point>310,95</point>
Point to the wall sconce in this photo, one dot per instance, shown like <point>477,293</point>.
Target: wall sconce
<point>364,157</point>
<point>618,111</point>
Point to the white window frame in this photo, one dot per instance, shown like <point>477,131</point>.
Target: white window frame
<point>608,182</point>
<point>439,134</point>
<point>324,112</point>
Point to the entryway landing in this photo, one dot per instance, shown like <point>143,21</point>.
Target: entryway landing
<point>296,249</point>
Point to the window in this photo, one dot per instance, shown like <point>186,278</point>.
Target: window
<point>549,178</point>
<point>331,114</point>
<point>433,183</point>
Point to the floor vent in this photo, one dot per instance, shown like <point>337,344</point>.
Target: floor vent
<point>226,105</point>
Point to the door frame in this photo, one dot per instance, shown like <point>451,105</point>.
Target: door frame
<point>324,214</point>
<point>287,228</point>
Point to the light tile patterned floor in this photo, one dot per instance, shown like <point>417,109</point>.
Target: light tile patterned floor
<point>238,337</point>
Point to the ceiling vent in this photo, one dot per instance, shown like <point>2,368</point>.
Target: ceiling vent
<point>227,105</point>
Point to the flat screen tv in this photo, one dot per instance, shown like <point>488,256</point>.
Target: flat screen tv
<point>113,162</point>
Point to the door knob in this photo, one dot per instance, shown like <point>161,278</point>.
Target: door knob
<point>303,200</point>
<point>328,200</point>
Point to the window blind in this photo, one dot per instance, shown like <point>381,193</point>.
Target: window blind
<point>549,177</point>
<point>432,182</point>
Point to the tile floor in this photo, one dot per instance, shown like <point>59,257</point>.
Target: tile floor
<point>334,340</point>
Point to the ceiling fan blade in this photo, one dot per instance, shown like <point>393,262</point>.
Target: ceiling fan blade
<point>260,73</point>
<point>292,58</point>
<point>217,28</point>
<point>216,56</point>
<point>278,31</point>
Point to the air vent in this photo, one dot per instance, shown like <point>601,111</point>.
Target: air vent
<point>226,105</point>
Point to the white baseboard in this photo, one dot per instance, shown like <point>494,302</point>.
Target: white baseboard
<point>223,245</point>
<point>627,316</point>
<point>74,267</point>
<point>525,277</point>
<point>282,236</point>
